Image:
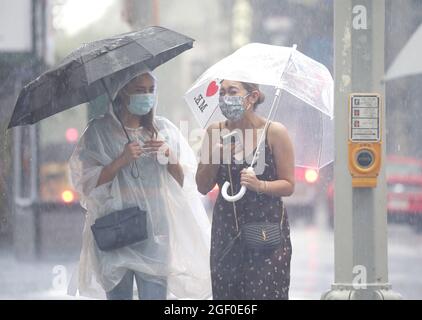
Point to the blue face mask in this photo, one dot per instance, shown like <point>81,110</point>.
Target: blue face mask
<point>141,104</point>
<point>232,107</point>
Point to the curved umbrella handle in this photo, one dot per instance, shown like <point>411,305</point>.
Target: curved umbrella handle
<point>237,196</point>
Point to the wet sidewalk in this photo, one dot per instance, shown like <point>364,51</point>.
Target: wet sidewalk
<point>312,267</point>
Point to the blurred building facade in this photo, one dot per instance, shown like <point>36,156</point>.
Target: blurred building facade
<point>24,53</point>
<point>36,222</point>
<point>403,96</point>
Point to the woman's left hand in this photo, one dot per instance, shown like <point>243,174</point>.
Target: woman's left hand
<point>250,181</point>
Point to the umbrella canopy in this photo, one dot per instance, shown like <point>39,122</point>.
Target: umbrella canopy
<point>409,61</point>
<point>89,71</point>
<point>306,111</point>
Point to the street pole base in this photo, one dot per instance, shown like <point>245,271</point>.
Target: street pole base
<point>361,292</point>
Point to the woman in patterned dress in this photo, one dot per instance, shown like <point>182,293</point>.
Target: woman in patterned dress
<point>236,272</point>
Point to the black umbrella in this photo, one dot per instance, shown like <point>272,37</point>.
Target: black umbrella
<point>88,72</point>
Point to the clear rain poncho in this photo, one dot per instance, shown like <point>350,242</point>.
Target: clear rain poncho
<point>178,244</point>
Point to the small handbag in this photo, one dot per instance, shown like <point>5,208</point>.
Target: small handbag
<point>120,228</point>
<point>259,236</point>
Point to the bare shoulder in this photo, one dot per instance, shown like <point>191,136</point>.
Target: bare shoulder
<point>277,131</point>
<point>278,137</point>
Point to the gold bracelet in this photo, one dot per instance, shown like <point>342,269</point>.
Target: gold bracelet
<point>265,187</point>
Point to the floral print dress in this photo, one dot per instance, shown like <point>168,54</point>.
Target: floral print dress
<point>240,273</point>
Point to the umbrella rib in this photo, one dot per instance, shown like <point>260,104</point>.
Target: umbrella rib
<point>96,57</point>
<point>322,139</point>
<point>206,123</point>
<point>140,45</point>
<point>310,78</point>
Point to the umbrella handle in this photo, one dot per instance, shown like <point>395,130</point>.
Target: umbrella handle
<point>237,196</point>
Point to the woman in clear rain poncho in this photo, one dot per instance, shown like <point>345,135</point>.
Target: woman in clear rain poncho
<point>174,260</point>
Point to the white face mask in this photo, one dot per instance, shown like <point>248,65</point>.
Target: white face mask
<point>141,104</point>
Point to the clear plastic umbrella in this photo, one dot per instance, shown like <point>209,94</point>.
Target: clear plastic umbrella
<point>306,111</point>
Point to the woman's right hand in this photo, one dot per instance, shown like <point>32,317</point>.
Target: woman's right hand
<point>131,152</point>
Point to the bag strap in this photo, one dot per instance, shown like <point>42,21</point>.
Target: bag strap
<point>231,185</point>
<point>230,245</point>
<point>234,205</point>
<point>134,170</point>
<point>283,209</point>
<point>134,165</point>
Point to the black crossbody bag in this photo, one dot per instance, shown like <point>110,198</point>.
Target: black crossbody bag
<point>257,236</point>
<point>120,228</point>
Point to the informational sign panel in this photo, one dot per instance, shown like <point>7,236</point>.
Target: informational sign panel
<point>365,117</point>
<point>15,26</point>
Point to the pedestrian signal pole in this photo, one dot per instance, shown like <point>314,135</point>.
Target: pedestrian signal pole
<point>360,220</point>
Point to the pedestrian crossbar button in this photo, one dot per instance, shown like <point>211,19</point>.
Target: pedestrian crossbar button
<point>365,158</point>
